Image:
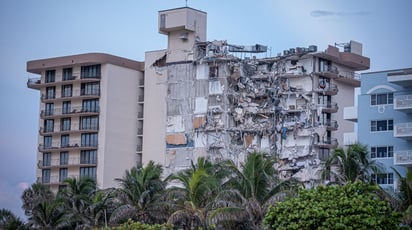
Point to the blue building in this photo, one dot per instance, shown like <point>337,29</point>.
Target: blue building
<point>385,121</point>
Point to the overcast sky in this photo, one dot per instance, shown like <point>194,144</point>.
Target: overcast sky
<point>36,29</point>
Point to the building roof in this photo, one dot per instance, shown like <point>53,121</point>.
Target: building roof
<point>36,66</point>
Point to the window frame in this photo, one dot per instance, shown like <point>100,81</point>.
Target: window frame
<point>376,124</point>
<point>375,100</point>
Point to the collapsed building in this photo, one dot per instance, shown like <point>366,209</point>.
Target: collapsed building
<point>220,106</point>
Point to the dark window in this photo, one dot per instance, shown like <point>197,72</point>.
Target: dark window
<point>381,125</point>
<point>383,178</point>
<point>90,105</point>
<point>88,157</point>
<point>50,92</point>
<point>382,99</point>
<point>65,124</point>
<point>50,76</point>
<point>65,141</point>
<point>382,152</point>
<point>91,71</point>
<point>46,159</point>
<point>89,139</point>
<point>89,123</point>
<point>67,90</point>
<point>67,74</point>
<point>64,158</point>
<point>48,125</point>
<point>88,171</point>
<point>45,176</point>
<point>323,154</point>
<point>92,88</point>
<point>163,21</point>
<point>62,174</point>
<point>47,141</point>
<point>66,107</point>
<point>49,109</point>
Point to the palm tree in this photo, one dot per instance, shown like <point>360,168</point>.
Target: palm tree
<point>249,191</point>
<point>77,198</point>
<point>9,221</point>
<point>191,195</point>
<point>351,165</point>
<point>138,195</point>
<point>44,211</point>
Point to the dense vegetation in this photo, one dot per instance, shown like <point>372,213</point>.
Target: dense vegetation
<point>218,195</point>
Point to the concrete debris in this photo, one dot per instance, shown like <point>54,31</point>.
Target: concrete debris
<point>272,105</point>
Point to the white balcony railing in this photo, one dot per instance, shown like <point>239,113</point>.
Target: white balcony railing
<point>350,113</point>
<point>403,130</point>
<point>403,157</point>
<point>403,102</point>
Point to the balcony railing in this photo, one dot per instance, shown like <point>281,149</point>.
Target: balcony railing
<point>330,107</point>
<point>71,162</point>
<point>34,83</point>
<point>68,111</point>
<point>350,113</point>
<point>56,146</point>
<point>403,130</point>
<point>54,180</point>
<point>331,89</point>
<point>328,143</point>
<point>74,127</point>
<point>403,103</point>
<point>403,157</point>
<point>330,124</point>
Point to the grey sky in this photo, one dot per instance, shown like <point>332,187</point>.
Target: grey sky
<point>35,29</point>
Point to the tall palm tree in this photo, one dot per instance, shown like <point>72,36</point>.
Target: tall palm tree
<point>43,210</point>
<point>138,195</point>
<point>249,191</point>
<point>191,194</point>
<point>9,221</point>
<point>351,165</point>
<point>77,197</point>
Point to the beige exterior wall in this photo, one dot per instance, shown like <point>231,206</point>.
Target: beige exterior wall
<point>154,125</point>
<point>118,124</point>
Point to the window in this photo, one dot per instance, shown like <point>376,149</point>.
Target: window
<point>324,65</point>
<point>89,122</point>
<point>383,178</point>
<point>90,105</point>
<point>50,76</point>
<point>382,152</point>
<point>88,157</point>
<point>64,158</point>
<point>48,125</point>
<point>91,71</point>
<point>381,125</point>
<point>62,174</point>
<point>92,88</point>
<point>66,107</point>
<point>46,159</point>
<point>50,92</point>
<point>382,99</point>
<point>88,171</point>
<point>213,72</point>
<point>47,141</point>
<point>65,124</point>
<point>49,109</point>
<point>45,176</point>
<point>67,90</point>
<point>65,141</point>
<point>89,139</point>
<point>67,74</point>
<point>323,154</point>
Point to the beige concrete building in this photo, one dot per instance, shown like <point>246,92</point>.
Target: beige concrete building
<point>89,116</point>
<point>200,99</point>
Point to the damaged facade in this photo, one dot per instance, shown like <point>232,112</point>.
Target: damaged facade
<point>217,105</point>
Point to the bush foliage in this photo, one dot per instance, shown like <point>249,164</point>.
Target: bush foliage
<point>351,206</point>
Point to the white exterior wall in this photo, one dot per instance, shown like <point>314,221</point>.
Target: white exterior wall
<point>118,125</point>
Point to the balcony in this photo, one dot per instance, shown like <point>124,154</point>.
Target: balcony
<point>74,128</point>
<point>403,130</point>
<point>403,158</point>
<point>54,180</point>
<point>59,112</point>
<point>402,78</point>
<point>350,113</point>
<point>327,143</point>
<point>330,125</point>
<point>331,107</point>
<point>34,83</point>
<point>403,103</point>
<point>72,162</point>
<point>56,147</point>
<point>331,89</point>
<point>350,138</point>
